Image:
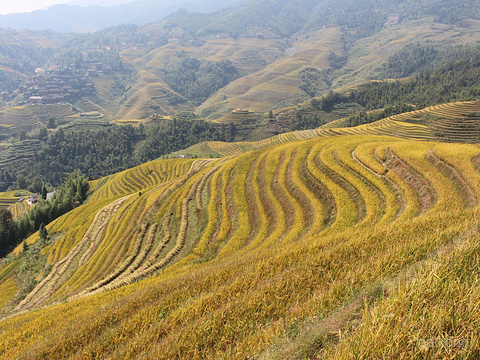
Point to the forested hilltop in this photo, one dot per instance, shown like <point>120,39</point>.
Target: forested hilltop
<point>104,151</point>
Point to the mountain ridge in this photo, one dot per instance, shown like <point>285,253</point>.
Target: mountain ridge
<point>67,18</point>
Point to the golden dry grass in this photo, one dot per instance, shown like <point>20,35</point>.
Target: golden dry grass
<point>266,267</point>
<point>270,253</point>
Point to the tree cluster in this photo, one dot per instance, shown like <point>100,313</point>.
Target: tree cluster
<point>104,151</point>
<point>71,194</point>
<point>454,12</point>
<point>364,117</point>
<point>197,79</point>
<point>455,80</point>
<point>306,121</point>
<point>416,59</point>
<point>178,134</point>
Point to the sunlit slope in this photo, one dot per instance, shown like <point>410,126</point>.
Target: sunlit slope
<point>7,199</point>
<point>150,94</point>
<point>147,94</point>
<point>141,177</point>
<point>453,122</point>
<point>270,73</point>
<point>29,117</point>
<point>232,256</point>
<point>19,208</point>
<point>367,57</point>
<point>278,81</point>
<point>82,229</point>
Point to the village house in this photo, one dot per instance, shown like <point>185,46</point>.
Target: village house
<point>34,100</point>
<point>57,86</point>
<point>50,195</point>
<point>33,199</point>
<point>394,19</point>
<point>92,72</point>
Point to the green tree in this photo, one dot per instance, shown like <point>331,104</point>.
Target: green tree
<point>44,192</point>
<point>43,133</point>
<point>51,123</point>
<point>43,233</point>
<point>7,232</point>
<point>22,136</point>
<point>21,182</point>
<point>36,185</point>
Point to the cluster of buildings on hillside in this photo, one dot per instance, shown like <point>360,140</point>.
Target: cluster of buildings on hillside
<point>55,86</point>
<point>33,199</point>
<point>95,67</point>
<point>394,19</point>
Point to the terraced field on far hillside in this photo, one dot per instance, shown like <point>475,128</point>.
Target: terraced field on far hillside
<point>276,82</point>
<point>454,122</point>
<point>262,253</point>
<point>151,92</point>
<point>29,117</point>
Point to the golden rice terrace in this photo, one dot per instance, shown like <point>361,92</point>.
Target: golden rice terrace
<point>337,243</point>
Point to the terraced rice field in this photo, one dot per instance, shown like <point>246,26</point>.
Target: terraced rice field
<point>7,199</point>
<point>29,117</point>
<point>20,150</point>
<point>454,122</point>
<point>265,253</point>
<point>237,117</point>
<point>277,81</point>
<point>18,208</point>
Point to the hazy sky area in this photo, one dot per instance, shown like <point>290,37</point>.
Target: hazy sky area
<point>21,6</point>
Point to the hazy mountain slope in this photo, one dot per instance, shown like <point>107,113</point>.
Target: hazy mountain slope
<point>278,81</point>
<point>366,58</point>
<point>334,57</point>
<point>249,55</point>
<point>74,18</point>
<point>21,52</point>
<point>150,95</point>
<point>281,49</point>
<point>363,62</point>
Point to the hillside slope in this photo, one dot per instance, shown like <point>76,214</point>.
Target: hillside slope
<point>150,94</point>
<point>283,53</point>
<point>279,81</point>
<point>454,122</point>
<point>263,253</point>
<point>276,72</point>
<point>320,46</point>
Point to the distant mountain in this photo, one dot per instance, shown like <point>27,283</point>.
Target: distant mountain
<point>75,18</point>
<point>97,2</point>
